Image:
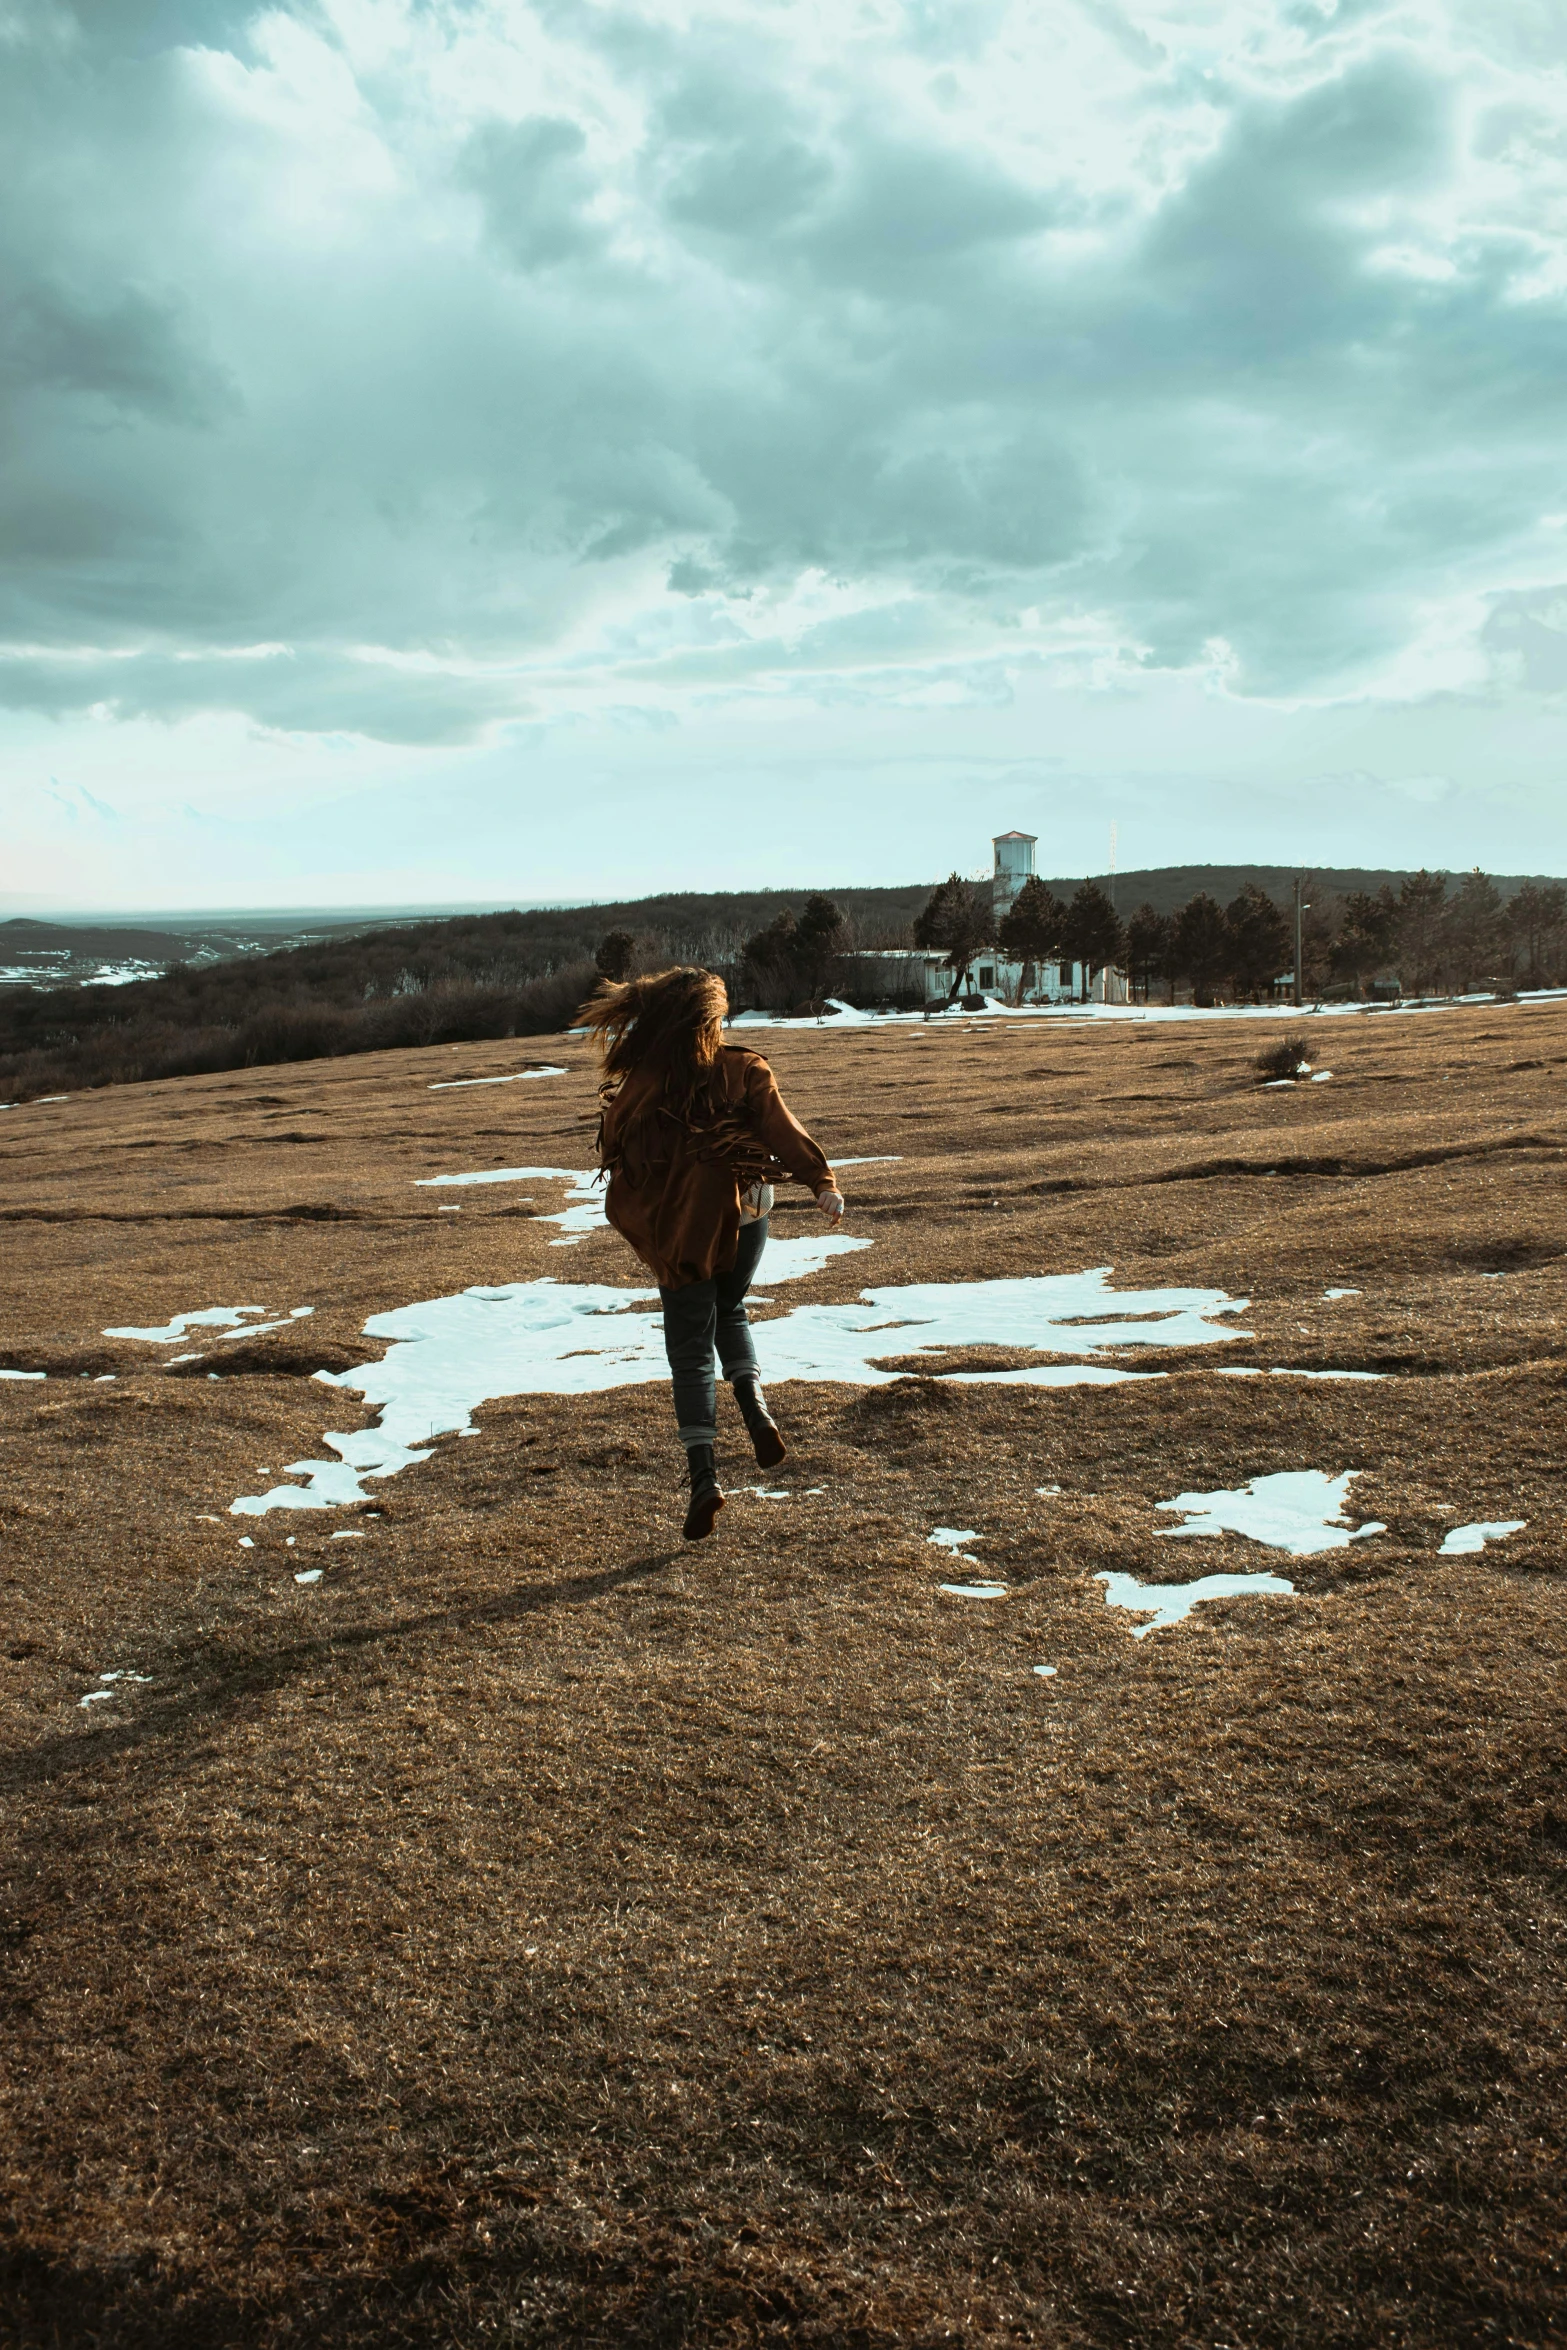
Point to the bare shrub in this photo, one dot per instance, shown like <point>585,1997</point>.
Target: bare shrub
<point>1287,1058</point>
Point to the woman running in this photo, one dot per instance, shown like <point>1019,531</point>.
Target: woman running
<point>693,1136</point>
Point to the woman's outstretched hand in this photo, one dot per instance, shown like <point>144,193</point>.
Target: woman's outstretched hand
<point>831,1204</point>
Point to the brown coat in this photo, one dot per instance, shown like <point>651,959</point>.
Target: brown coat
<point>675,1181</point>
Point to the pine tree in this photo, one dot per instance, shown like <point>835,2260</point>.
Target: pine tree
<point>614,954</point>
<point>1260,941</point>
<point>1472,928</point>
<point>1536,925</point>
<point>1150,944</point>
<point>1202,944</point>
<point>1367,932</point>
<point>1032,931</point>
<point>818,941</point>
<point>1093,935</point>
<point>958,921</point>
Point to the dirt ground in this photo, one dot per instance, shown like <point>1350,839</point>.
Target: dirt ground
<point>537,1931</point>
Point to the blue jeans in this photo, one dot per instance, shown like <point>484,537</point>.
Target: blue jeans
<point>704,1314</point>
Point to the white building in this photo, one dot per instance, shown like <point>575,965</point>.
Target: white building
<point>919,971</point>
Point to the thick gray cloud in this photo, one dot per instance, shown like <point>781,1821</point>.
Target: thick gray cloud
<point>401,368</point>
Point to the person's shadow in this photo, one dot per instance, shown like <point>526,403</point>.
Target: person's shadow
<point>217,1675</point>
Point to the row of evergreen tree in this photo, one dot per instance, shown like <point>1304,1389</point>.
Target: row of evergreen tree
<point>1431,939</point>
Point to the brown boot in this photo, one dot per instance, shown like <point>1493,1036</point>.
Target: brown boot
<point>706,1498</point>
<point>766,1442</point>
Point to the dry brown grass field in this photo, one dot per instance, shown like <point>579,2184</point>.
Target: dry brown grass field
<point>537,1931</point>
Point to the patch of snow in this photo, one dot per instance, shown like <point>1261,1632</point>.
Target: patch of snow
<point>209,1318</point>
<point>245,1542</point>
<point>1333,1295</point>
<point>108,1686</point>
<point>23,1374</point>
<point>1071,1314</point>
<point>1465,1539</point>
<point>1047,1489</point>
<point>1053,1375</point>
<point>348,1534</point>
<point>458,1084</point>
<point>584,1213</point>
<point>308,1575</point>
<point>798,1259</point>
<point>976,1590</point>
<point>1171,1603</point>
<point>584,1209</point>
<point>449,1355</point>
<point>1298,1510</point>
<point>953,1537</point>
<point>1320,1076</point>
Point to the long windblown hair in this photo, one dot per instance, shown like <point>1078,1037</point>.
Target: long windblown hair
<point>670,1023</point>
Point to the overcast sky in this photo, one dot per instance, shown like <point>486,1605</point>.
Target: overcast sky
<point>474,449</point>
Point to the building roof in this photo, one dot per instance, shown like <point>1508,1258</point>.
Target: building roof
<point>1013,836</point>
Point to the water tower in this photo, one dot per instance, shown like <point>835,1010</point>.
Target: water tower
<point>1014,864</point>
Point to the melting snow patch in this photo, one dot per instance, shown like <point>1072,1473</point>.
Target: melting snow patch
<point>1464,1539</point>
<point>1333,1295</point>
<point>786,1260</point>
<point>584,1209</point>
<point>457,1084</point>
<point>796,1260</point>
<point>23,1374</point>
<point>953,1537</point>
<point>348,1534</point>
<point>451,1354</point>
<point>107,1687</point>
<point>1297,1510</point>
<point>1170,1603</point>
<point>1046,1672</point>
<point>210,1318</point>
<point>308,1575</point>
<point>975,1590</point>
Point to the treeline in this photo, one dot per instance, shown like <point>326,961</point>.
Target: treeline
<point>1426,938</point>
<point>523,974</point>
<point>451,981</point>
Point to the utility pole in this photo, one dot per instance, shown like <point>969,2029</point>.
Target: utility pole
<point>1299,892</point>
